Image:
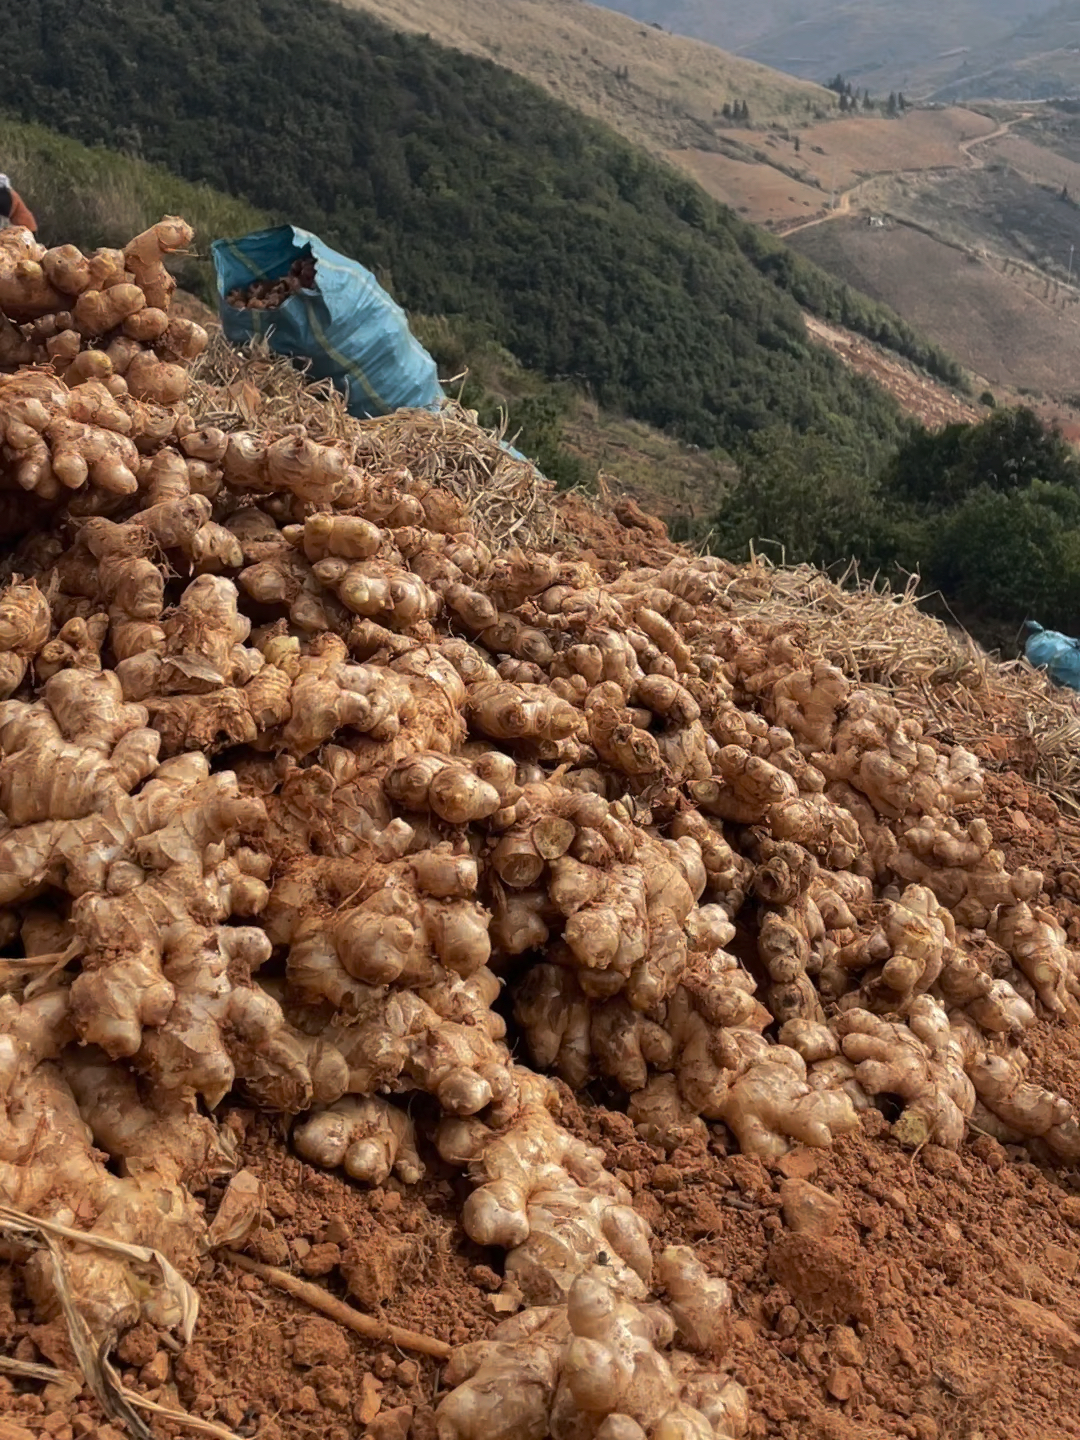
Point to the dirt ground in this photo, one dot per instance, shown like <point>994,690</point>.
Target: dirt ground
<point>932,404</point>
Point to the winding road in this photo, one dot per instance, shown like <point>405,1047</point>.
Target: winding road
<point>845,198</point>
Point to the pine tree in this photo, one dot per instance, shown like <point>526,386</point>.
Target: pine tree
<point>892,105</point>
<point>726,110</point>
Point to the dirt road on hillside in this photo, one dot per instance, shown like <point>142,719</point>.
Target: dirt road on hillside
<point>844,200</point>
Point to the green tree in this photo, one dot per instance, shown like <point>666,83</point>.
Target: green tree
<point>1005,452</point>
<point>802,497</point>
<point>1011,556</point>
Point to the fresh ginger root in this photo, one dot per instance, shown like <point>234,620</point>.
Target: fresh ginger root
<point>595,1368</point>
<point>365,1135</point>
<point>924,1065</point>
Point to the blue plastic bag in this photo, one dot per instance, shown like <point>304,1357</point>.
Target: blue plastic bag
<point>1057,654</point>
<point>347,326</point>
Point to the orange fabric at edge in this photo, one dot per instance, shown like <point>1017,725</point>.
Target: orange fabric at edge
<point>20,212</point>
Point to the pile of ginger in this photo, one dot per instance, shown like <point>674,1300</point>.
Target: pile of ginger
<point>307,796</point>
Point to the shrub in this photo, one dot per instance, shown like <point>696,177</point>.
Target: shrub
<point>801,498</point>
<point>1012,556</point>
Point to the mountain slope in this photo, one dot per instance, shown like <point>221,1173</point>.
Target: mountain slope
<point>1038,60</point>
<point>662,91</point>
<point>876,43</point>
<point>472,192</point>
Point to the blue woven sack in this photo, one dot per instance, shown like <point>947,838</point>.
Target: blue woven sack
<point>347,326</point>
<point>1057,654</point>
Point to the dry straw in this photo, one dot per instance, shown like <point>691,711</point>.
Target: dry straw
<point>508,501</point>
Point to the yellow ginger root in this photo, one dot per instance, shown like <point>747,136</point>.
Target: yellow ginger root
<point>546,1198</point>
<point>519,712</point>
<point>144,1129</point>
<point>684,744</point>
<point>962,867</point>
<point>728,874</point>
<point>1015,1109</point>
<point>807,702</point>
<point>25,290</point>
<point>824,829</point>
<point>744,787</point>
<point>378,591</point>
<point>662,1117</point>
<point>151,965</point>
<point>784,942</point>
<point>593,1369</point>
<point>449,789</point>
<point>51,779</point>
<point>329,695</point>
<point>203,646</point>
<point>366,1135</point>
<point>49,1167</point>
<point>880,755</point>
<point>924,1065</point>
<point>919,935</point>
<point>25,622</point>
<point>1037,944</point>
<point>503,1387</point>
<point>784,870</point>
<point>143,257</point>
<point>700,1304</point>
<point>325,536</point>
<point>770,1106</point>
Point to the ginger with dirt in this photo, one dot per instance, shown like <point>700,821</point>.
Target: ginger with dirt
<point>310,787</point>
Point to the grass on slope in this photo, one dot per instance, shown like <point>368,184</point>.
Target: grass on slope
<point>572,439</point>
<point>661,91</point>
<point>1038,61</point>
<point>473,193</point>
<point>91,197</point>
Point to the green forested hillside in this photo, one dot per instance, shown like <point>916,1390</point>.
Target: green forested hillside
<point>472,193</point>
<point>99,197</point>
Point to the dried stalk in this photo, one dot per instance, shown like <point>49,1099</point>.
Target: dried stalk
<point>365,1325</point>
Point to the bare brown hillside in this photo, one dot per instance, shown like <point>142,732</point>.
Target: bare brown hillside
<point>658,90</point>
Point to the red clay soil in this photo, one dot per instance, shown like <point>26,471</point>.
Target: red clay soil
<point>935,1297</point>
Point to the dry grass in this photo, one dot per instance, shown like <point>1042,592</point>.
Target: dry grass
<point>852,149</point>
<point>884,640</point>
<point>998,326</point>
<point>508,501</point>
<point>757,191</point>
<point>674,88</point>
<point>858,146</point>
